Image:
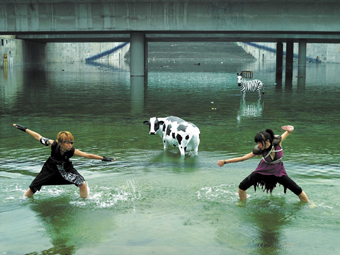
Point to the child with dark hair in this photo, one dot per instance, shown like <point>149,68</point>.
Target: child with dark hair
<point>270,170</point>
<point>58,169</point>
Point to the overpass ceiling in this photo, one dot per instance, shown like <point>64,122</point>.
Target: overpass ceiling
<point>156,1</point>
<point>241,36</point>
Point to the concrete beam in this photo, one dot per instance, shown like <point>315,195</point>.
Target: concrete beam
<point>246,36</point>
<point>216,15</point>
<point>75,37</point>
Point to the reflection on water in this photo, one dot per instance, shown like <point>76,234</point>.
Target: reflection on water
<point>155,201</point>
<point>137,85</point>
<point>249,110</point>
<point>267,220</point>
<point>70,227</point>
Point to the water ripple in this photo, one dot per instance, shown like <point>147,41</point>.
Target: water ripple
<point>108,197</point>
<point>221,194</point>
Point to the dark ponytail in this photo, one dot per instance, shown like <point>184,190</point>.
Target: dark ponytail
<point>263,136</point>
<point>271,133</point>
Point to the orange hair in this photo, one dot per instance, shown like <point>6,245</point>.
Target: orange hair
<point>64,136</point>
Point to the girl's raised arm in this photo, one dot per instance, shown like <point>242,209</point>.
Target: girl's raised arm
<point>44,141</point>
<point>288,129</point>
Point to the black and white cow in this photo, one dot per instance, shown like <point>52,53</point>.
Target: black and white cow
<point>176,132</point>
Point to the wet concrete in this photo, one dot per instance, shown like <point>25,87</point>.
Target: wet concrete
<point>197,50</point>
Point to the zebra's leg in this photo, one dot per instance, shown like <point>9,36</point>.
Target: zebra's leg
<point>259,93</point>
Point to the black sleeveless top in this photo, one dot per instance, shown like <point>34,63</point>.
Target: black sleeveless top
<point>56,155</point>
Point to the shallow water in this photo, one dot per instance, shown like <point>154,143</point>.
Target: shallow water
<point>155,202</point>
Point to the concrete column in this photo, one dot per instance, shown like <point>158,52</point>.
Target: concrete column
<point>146,63</point>
<point>137,88</point>
<point>137,54</point>
<point>279,59</point>
<point>302,59</point>
<point>289,60</point>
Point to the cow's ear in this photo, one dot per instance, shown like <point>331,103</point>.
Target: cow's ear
<point>146,122</point>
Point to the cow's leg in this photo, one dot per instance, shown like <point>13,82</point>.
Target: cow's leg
<point>182,150</point>
<point>196,143</point>
<point>165,143</point>
<point>181,144</point>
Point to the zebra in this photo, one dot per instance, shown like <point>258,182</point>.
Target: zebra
<point>253,85</point>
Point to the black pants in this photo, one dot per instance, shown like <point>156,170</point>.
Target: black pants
<point>50,175</point>
<point>268,182</point>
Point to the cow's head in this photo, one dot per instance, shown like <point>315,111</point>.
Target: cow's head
<point>154,125</point>
<point>239,78</point>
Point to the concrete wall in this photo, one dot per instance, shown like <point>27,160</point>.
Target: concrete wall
<point>78,52</point>
<point>12,48</point>
<point>324,52</point>
<point>175,15</point>
<point>21,52</point>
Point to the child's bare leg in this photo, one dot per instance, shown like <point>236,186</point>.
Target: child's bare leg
<point>83,190</point>
<point>303,197</point>
<point>29,193</point>
<point>242,194</point>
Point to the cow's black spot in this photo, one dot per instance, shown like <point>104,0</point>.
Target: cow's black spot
<point>179,139</point>
<point>168,129</point>
<point>163,128</point>
<point>174,119</point>
<point>187,137</point>
<point>182,127</point>
<point>173,135</point>
<point>185,148</point>
<point>174,145</point>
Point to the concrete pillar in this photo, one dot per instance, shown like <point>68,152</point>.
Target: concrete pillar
<point>146,63</point>
<point>279,59</point>
<point>301,84</point>
<point>302,59</point>
<point>137,54</point>
<point>289,60</point>
<point>137,88</point>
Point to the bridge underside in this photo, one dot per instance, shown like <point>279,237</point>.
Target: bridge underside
<point>143,21</point>
<point>185,36</point>
<point>316,21</point>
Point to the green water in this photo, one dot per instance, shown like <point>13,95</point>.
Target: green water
<point>155,202</point>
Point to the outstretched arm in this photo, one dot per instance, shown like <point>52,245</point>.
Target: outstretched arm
<point>91,156</point>
<point>288,130</point>
<point>234,160</point>
<point>31,132</point>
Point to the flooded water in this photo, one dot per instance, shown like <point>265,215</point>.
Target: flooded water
<point>155,202</point>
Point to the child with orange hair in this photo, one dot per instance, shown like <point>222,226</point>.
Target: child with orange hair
<point>58,169</point>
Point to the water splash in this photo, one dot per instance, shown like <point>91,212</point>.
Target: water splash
<point>222,194</point>
<point>109,197</point>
